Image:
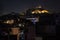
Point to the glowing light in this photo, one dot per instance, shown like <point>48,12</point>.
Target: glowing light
<point>36,12</point>
<point>33,12</point>
<point>44,11</point>
<point>9,21</point>
<point>20,25</point>
<point>39,11</point>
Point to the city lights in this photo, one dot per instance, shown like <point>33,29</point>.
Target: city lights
<point>44,11</point>
<point>9,21</point>
<point>36,12</point>
<point>39,10</point>
<point>28,23</point>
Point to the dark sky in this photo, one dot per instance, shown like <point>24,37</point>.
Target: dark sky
<point>22,5</point>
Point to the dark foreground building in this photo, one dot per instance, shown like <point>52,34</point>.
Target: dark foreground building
<point>45,24</point>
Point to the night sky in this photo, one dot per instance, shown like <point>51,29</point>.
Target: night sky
<point>22,5</point>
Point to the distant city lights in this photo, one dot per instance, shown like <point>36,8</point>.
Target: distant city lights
<point>39,12</point>
<point>9,21</point>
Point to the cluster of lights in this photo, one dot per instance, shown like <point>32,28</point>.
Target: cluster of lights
<point>9,21</point>
<point>12,22</point>
<point>21,25</point>
<point>38,11</point>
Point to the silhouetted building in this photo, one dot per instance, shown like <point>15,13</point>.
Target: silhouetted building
<point>46,26</point>
<point>12,27</point>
